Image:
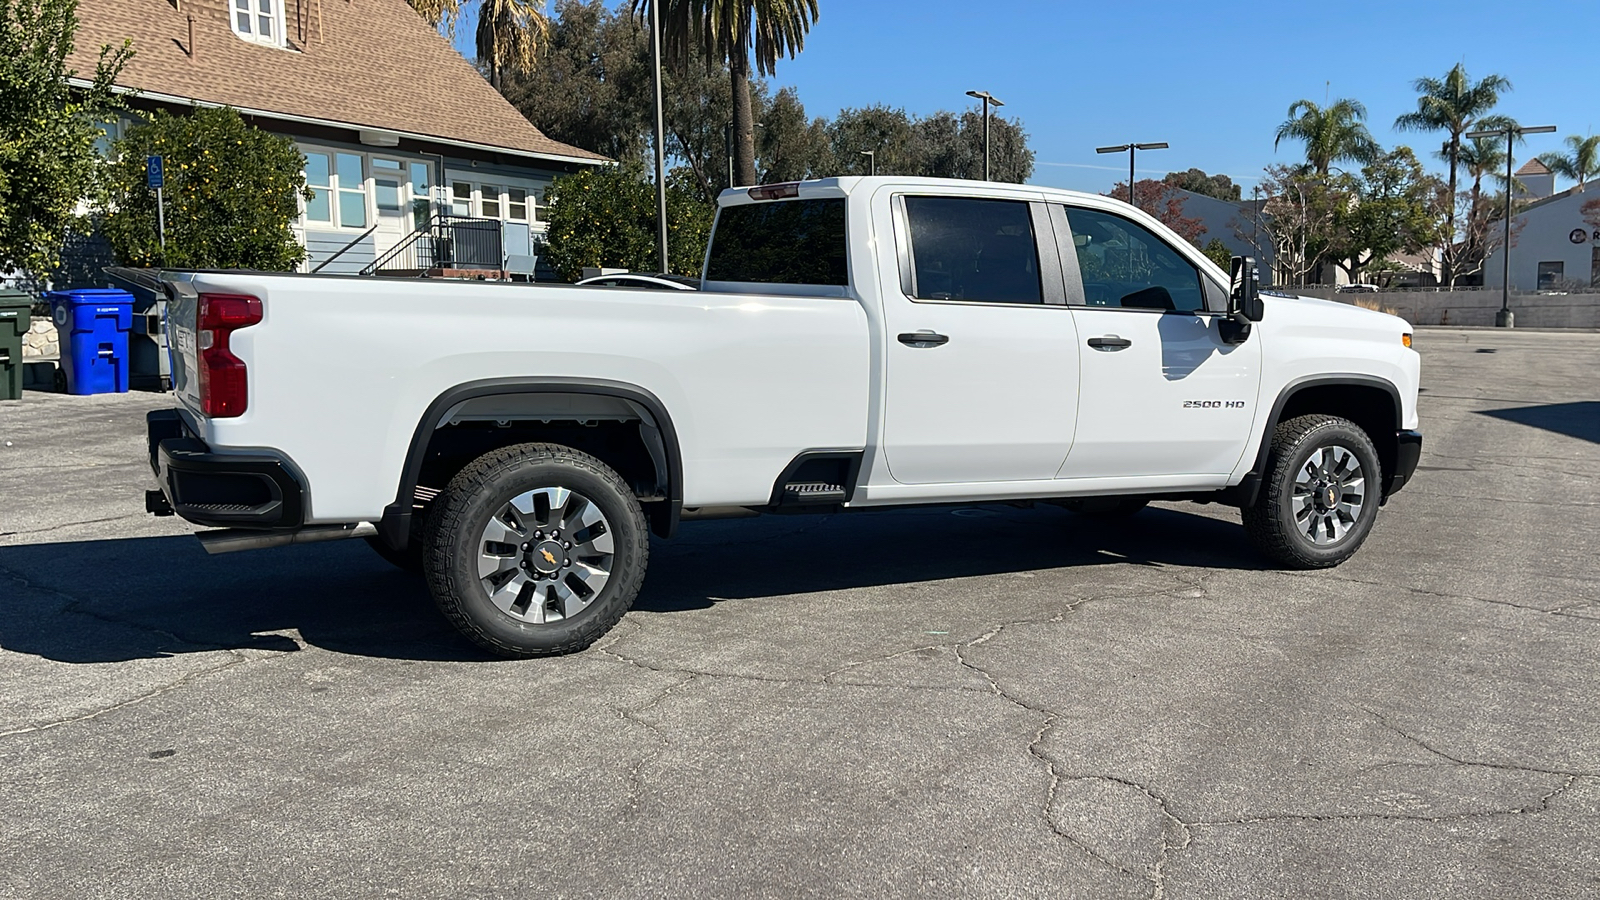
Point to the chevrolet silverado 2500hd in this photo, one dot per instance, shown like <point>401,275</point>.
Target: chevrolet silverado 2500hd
<point>854,343</point>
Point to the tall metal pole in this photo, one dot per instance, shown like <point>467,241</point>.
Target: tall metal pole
<point>1131,151</point>
<point>986,138</point>
<point>661,130</point>
<point>1505,320</point>
<point>161,223</point>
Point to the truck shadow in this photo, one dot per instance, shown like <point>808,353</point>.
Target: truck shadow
<point>1580,420</point>
<point>117,600</point>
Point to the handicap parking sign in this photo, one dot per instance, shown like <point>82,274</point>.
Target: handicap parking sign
<point>154,172</point>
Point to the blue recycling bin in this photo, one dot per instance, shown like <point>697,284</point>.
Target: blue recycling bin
<point>93,325</point>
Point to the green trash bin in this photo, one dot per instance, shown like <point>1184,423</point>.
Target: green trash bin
<point>15,317</point>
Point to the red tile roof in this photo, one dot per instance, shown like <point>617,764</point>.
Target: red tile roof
<point>368,63</point>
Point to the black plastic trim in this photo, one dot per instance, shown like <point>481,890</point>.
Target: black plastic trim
<point>1250,486</point>
<point>1409,452</point>
<point>852,475</point>
<point>236,480</point>
<point>395,526</point>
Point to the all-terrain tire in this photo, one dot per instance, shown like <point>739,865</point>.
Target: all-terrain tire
<point>455,546</point>
<point>1290,527</point>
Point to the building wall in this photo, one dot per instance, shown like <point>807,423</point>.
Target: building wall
<point>1551,234</point>
<point>1229,221</point>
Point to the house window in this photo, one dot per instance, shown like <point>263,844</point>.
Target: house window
<point>421,199</point>
<point>517,205</point>
<point>259,20</point>
<point>319,179</point>
<point>1551,274</point>
<point>489,200</point>
<point>460,198</point>
<point>352,190</point>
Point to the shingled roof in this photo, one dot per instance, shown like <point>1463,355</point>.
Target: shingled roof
<point>367,63</point>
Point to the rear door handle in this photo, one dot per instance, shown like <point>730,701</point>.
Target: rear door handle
<point>923,338</point>
<point>1110,343</point>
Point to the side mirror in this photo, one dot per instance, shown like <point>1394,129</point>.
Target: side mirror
<point>1244,298</point>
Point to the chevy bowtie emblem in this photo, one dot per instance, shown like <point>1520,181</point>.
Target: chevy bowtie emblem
<point>547,557</point>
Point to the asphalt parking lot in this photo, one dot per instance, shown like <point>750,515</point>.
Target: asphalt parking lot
<point>970,702</point>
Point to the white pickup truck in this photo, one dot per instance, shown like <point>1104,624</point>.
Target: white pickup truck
<point>854,343</point>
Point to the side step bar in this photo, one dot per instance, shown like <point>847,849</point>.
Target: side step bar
<point>812,493</point>
<point>231,540</point>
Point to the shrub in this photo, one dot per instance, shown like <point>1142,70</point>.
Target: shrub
<point>231,194</point>
<point>606,217</point>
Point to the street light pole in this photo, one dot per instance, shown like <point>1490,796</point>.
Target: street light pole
<point>1131,150</point>
<point>1505,318</point>
<point>872,161</point>
<point>661,130</point>
<point>987,99</point>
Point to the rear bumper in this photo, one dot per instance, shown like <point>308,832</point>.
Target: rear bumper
<point>219,490</point>
<point>1408,450</point>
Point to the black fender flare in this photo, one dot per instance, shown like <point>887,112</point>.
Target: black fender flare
<point>1250,486</point>
<point>395,526</point>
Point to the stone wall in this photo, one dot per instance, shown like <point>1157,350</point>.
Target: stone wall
<point>41,341</point>
<point>1576,310</point>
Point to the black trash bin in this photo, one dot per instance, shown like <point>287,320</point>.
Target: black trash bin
<point>16,315</point>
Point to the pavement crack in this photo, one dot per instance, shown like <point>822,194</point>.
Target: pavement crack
<point>237,659</point>
<point>1456,760</point>
<point>634,714</point>
<point>78,606</point>
<point>1329,576</point>
<point>1048,723</point>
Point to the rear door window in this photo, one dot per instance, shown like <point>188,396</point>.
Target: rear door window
<point>964,248</point>
<point>781,242</point>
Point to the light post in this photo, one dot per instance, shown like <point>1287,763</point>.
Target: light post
<point>872,161</point>
<point>987,99</point>
<point>661,151</point>
<point>1131,150</point>
<point>1505,318</point>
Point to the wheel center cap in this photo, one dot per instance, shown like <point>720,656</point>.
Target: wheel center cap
<point>1329,498</point>
<point>546,557</point>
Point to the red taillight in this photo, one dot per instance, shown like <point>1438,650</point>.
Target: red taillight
<point>224,384</point>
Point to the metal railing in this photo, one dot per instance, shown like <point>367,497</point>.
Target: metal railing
<point>343,250</point>
<point>445,242</point>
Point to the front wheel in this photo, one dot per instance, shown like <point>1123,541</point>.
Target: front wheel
<point>1320,493</point>
<point>536,550</point>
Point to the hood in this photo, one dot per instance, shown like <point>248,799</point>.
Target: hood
<point>1333,313</point>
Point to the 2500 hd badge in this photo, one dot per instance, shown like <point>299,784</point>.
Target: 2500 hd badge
<point>1213,404</point>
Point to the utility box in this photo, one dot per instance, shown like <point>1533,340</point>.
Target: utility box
<point>94,325</point>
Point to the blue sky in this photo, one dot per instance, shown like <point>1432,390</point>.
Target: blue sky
<point>1214,79</point>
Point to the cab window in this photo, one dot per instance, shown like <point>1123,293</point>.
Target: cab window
<point>1124,265</point>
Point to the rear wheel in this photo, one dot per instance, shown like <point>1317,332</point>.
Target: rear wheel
<point>535,550</point>
<point>1320,494</point>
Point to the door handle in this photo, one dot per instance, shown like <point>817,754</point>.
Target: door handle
<point>923,338</point>
<point>1110,343</point>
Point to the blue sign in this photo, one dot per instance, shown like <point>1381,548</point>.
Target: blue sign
<point>154,172</point>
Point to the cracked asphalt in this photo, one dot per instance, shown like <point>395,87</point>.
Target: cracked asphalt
<point>969,702</point>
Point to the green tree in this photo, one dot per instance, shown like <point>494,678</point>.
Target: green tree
<point>1218,252</point>
<point>1455,105</point>
<point>1161,200</point>
<point>1198,182</point>
<point>1331,135</point>
<point>606,217</point>
<point>231,194</point>
<point>1582,164</point>
<point>736,33</point>
<point>1391,210</point>
<point>589,85</point>
<point>48,162</point>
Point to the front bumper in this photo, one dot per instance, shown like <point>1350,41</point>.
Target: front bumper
<point>1408,450</point>
<point>218,490</point>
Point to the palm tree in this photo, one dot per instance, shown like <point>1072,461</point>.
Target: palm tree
<point>1582,165</point>
<point>1331,135</point>
<point>508,35</point>
<point>1480,157</point>
<point>731,32</point>
<point>1456,105</point>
